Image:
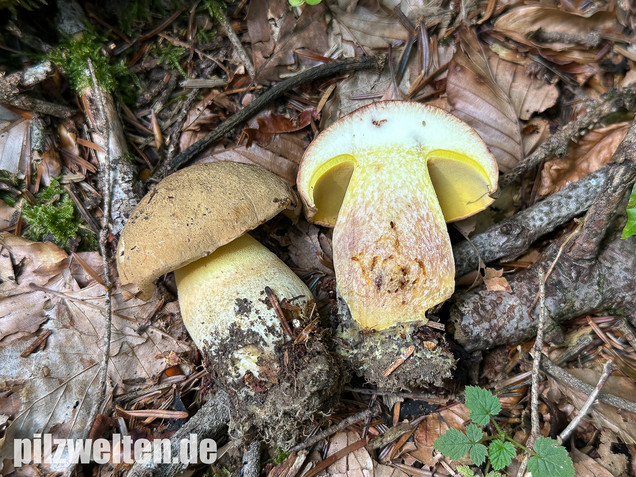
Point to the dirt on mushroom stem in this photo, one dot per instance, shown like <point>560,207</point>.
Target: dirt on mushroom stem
<point>303,382</point>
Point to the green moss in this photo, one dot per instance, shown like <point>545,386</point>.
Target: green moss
<point>215,8</point>
<point>280,456</point>
<point>55,217</point>
<point>26,4</point>
<point>170,55</point>
<point>73,54</point>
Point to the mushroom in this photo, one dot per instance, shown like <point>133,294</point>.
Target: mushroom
<point>194,223</point>
<point>388,177</point>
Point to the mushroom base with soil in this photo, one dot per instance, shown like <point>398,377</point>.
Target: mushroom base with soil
<point>385,358</point>
<point>279,379</point>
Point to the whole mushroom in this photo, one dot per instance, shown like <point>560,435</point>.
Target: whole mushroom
<point>194,223</point>
<point>387,178</point>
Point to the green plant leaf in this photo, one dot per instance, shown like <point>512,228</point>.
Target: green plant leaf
<point>482,404</point>
<point>493,474</point>
<point>465,471</point>
<point>501,454</point>
<point>474,433</point>
<point>552,460</point>
<point>453,444</point>
<point>630,226</point>
<point>478,453</point>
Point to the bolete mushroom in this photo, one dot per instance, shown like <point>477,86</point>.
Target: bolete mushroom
<point>388,177</point>
<point>194,223</point>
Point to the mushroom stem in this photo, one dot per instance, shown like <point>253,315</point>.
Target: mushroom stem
<point>225,308</point>
<point>390,239</point>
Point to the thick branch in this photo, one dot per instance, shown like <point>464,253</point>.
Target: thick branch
<point>108,133</point>
<point>483,319</point>
<point>511,237</point>
<point>591,275</point>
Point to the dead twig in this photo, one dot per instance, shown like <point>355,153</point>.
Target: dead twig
<point>360,416</point>
<point>236,43</point>
<point>104,249</point>
<point>592,275</point>
<point>558,142</point>
<point>510,238</point>
<point>608,369</point>
<point>536,352</point>
<point>346,65</point>
<point>575,383</point>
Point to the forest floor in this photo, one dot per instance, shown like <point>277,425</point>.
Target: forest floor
<point>101,101</point>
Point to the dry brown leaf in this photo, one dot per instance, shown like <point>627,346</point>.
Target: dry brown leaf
<point>13,133</point>
<point>368,29</point>
<point>305,248</point>
<point>433,426</point>
<point>355,464</point>
<point>277,35</point>
<point>592,152</point>
<point>495,281</point>
<point>281,156</point>
<point>527,23</point>
<point>479,100</point>
<point>23,308</point>
<point>62,378</point>
<point>621,422</point>
<point>534,133</point>
<point>270,124</point>
<point>613,460</point>
<point>528,94</point>
<point>585,466</point>
<point>382,470</point>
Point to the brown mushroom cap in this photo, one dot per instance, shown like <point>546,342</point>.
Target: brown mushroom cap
<point>193,212</point>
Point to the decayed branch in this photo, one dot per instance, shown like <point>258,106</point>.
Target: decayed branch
<point>513,236</point>
<point>592,274</point>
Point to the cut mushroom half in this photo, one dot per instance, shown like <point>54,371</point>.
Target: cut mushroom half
<point>388,177</point>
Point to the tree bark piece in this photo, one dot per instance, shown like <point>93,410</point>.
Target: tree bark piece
<point>558,142</point>
<point>108,133</point>
<point>511,237</point>
<point>595,273</point>
<point>484,319</point>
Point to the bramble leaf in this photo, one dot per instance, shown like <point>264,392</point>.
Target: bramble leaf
<point>474,433</point>
<point>453,444</point>
<point>478,453</point>
<point>552,460</point>
<point>482,404</point>
<point>465,471</point>
<point>501,454</point>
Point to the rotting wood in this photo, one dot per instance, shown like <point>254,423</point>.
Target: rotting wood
<point>592,275</point>
<point>558,142</point>
<point>511,237</point>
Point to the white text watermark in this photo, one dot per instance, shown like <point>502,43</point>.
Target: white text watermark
<point>44,449</point>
